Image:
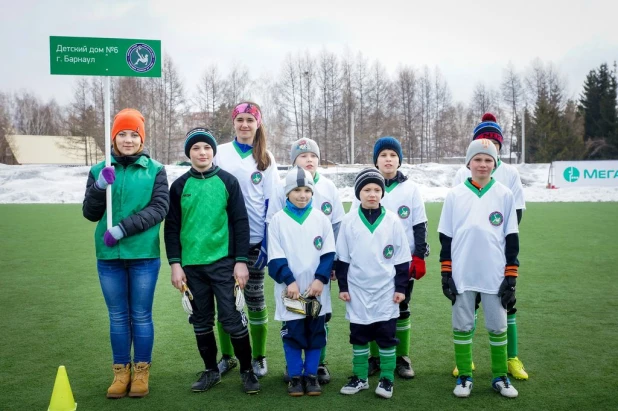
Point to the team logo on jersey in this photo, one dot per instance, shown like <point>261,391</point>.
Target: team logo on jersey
<point>388,251</point>
<point>327,208</point>
<point>496,218</point>
<point>256,178</point>
<point>403,212</point>
<point>318,242</point>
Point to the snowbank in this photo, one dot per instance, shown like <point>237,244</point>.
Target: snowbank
<point>59,184</point>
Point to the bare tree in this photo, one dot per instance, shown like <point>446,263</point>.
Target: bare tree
<point>425,96</point>
<point>289,93</point>
<point>237,85</point>
<point>406,99</point>
<point>31,116</point>
<point>5,129</point>
<point>513,96</point>
<point>361,78</point>
<point>442,99</point>
<point>81,123</point>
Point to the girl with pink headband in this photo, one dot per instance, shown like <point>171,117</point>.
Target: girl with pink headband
<point>247,158</point>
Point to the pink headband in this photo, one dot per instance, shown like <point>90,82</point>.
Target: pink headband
<point>248,108</point>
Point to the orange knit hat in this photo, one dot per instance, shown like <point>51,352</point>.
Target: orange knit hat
<point>129,119</point>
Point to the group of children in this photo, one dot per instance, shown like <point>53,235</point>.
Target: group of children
<point>229,216</point>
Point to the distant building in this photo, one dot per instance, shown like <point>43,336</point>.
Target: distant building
<point>62,150</point>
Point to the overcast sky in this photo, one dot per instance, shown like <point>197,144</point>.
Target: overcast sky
<point>470,41</point>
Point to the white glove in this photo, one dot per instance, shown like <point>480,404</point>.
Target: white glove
<point>187,297</point>
<point>240,297</point>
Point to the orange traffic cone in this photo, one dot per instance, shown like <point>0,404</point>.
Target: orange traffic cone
<point>62,396</point>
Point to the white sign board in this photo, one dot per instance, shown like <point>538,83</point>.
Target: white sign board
<point>602,173</point>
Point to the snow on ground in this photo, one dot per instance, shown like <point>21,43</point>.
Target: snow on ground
<point>58,184</point>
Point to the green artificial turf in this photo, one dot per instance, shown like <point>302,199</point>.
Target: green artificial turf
<point>53,313</point>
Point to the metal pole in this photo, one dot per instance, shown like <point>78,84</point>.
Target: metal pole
<point>523,137</point>
<point>352,137</point>
<point>108,152</point>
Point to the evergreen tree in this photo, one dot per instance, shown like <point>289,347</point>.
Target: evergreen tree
<point>598,107</point>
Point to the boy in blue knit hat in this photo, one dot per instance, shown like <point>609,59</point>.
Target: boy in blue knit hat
<point>402,197</point>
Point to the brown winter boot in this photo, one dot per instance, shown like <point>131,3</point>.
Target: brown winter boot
<point>122,377</point>
<point>139,382</point>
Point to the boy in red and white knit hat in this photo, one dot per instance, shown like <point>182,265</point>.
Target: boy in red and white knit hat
<point>508,175</point>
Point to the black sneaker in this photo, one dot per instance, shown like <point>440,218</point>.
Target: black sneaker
<point>323,374</point>
<point>404,368</point>
<point>312,386</point>
<point>385,388</point>
<point>250,383</point>
<point>207,380</point>
<point>286,376</point>
<point>354,385</point>
<point>295,387</point>
<point>226,363</point>
<point>374,365</point>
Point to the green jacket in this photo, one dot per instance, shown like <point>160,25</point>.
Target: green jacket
<point>140,200</point>
<point>207,219</point>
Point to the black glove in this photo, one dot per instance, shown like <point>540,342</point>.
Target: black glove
<point>448,287</point>
<point>507,292</point>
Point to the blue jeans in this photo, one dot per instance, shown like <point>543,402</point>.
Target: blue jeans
<point>128,288</point>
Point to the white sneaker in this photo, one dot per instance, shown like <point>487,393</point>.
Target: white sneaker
<point>463,387</point>
<point>354,385</point>
<point>504,387</point>
<point>260,367</point>
<point>385,388</point>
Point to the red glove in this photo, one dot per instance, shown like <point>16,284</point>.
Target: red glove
<point>417,268</point>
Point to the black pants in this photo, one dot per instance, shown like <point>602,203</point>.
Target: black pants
<point>208,282</point>
<point>404,306</point>
<point>382,332</point>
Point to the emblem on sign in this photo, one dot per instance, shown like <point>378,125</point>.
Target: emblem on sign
<point>141,57</point>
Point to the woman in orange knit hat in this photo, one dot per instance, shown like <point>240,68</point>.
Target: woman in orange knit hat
<point>128,255</point>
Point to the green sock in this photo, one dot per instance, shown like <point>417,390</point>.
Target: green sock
<point>323,352</point>
<point>403,334</point>
<point>258,328</point>
<point>374,350</point>
<point>225,342</point>
<point>360,364</point>
<point>511,331</point>
<point>497,343</point>
<point>387,363</point>
<point>463,351</point>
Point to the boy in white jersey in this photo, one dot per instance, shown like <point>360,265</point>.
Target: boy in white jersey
<point>374,261</point>
<point>479,238</point>
<point>247,159</point>
<point>402,197</point>
<point>305,154</point>
<point>301,248</point>
<point>509,176</point>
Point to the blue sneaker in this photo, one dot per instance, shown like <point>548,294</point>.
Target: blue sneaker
<point>504,387</point>
<point>463,387</point>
